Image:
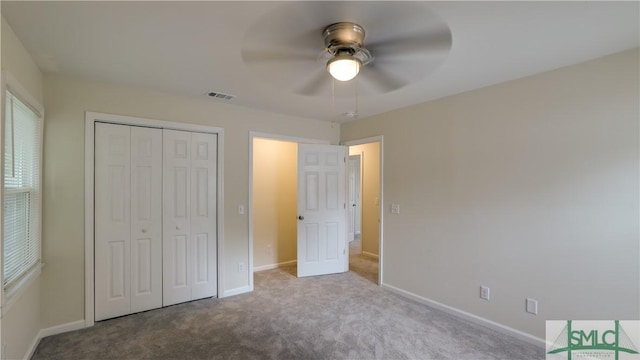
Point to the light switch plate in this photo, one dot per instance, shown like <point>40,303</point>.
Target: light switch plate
<point>532,306</point>
<point>484,292</point>
<point>395,208</point>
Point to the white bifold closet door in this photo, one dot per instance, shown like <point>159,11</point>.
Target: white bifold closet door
<point>189,219</point>
<point>155,218</point>
<point>128,219</point>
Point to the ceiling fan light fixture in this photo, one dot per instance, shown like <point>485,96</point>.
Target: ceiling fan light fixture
<point>344,67</point>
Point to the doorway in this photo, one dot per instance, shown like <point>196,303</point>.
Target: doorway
<point>365,219</point>
<point>354,205</point>
<point>271,240</point>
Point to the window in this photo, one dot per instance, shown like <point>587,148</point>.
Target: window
<point>22,191</point>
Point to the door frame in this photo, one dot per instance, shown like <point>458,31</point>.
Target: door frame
<point>89,135</point>
<point>277,137</point>
<point>358,199</point>
<point>378,139</point>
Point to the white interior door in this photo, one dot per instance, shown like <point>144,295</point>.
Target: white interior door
<point>322,232</point>
<point>112,220</point>
<point>146,218</point>
<point>176,224</point>
<point>203,215</point>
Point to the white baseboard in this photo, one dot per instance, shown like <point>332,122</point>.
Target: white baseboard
<point>274,266</point>
<point>59,329</point>
<point>236,291</point>
<point>371,255</point>
<point>32,347</point>
<point>469,316</point>
<point>54,330</point>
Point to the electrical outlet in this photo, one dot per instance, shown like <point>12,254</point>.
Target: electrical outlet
<point>484,292</point>
<point>240,209</point>
<point>532,306</point>
<point>240,267</point>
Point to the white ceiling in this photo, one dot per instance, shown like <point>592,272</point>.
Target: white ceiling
<point>191,48</point>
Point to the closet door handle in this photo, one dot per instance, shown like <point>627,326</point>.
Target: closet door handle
<point>300,217</point>
<point>144,231</point>
<point>177,227</point>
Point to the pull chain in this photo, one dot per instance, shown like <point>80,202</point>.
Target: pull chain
<point>357,110</point>
<point>333,94</point>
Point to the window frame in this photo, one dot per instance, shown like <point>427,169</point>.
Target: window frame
<point>11,294</point>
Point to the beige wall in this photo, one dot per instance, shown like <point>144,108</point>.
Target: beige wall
<point>275,204</point>
<point>21,323</point>
<point>370,226</point>
<point>66,101</point>
<point>529,187</point>
<point>17,60</point>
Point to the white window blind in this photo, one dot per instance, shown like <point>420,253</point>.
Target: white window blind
<point>22,213</point>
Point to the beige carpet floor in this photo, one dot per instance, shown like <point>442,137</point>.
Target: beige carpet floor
<point>343,316</point>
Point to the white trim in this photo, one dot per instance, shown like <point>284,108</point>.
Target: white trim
<point>162,124</point>
<point>54,330</point>
<point>295,139</point>
<point>32,348</point>
<point>16,290</point>
<point>10,82</point>
<point>371,255</point>
<point>372,139</point>
<point>220,211</point>
<point>274,266</point>
<point>90,119</point>
<point>236,291</point>
<point>252,136</point>
<point>62,328</point>
<point>89,300</point>
<point>520,335</point>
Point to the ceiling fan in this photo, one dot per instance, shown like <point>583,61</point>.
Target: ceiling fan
<point>299,42</point>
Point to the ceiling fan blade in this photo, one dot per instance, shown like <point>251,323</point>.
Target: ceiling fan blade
<point>271,55</point>
<point>429,43</point>
<point>380,80</point>
<point>315,84</point>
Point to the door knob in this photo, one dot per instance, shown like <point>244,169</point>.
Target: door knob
<point>177,227</point>
<point>300,217</point>
<point>144,230</point>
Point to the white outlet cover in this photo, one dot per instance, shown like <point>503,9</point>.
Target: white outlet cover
<point>532,306</point>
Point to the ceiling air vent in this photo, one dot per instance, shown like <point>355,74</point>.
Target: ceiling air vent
<point>220,96</point>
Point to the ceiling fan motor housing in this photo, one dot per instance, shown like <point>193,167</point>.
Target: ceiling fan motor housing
<point>343,36</point>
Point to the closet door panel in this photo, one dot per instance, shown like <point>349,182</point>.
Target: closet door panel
<point>176,186</point>
<point>146,218</point>
<point>112,221</point>
<point>203,215</point>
